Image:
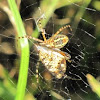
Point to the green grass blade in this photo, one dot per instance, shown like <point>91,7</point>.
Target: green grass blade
<point>95,85</point>
<point>22,80</point>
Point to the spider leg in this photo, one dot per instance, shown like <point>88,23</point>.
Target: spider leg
<point>69,61</point>
<point>62,28</point>
<point>30,37</point>
<point>43,34</point>
<point>67,56</point>
<point>37,72</point>
<point>40,26</point>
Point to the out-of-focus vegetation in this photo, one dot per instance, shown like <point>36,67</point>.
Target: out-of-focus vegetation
<point>95,85</point>
<point>96,4</point>
<point>9,72</point>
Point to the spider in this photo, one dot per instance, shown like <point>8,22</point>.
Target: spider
<point>49,51</point>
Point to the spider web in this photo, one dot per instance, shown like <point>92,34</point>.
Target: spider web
<point>82,46</point>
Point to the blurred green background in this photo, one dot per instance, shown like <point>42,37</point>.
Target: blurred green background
<point>84,18</point>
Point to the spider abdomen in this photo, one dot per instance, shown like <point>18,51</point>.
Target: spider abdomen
<point>52,60</point>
